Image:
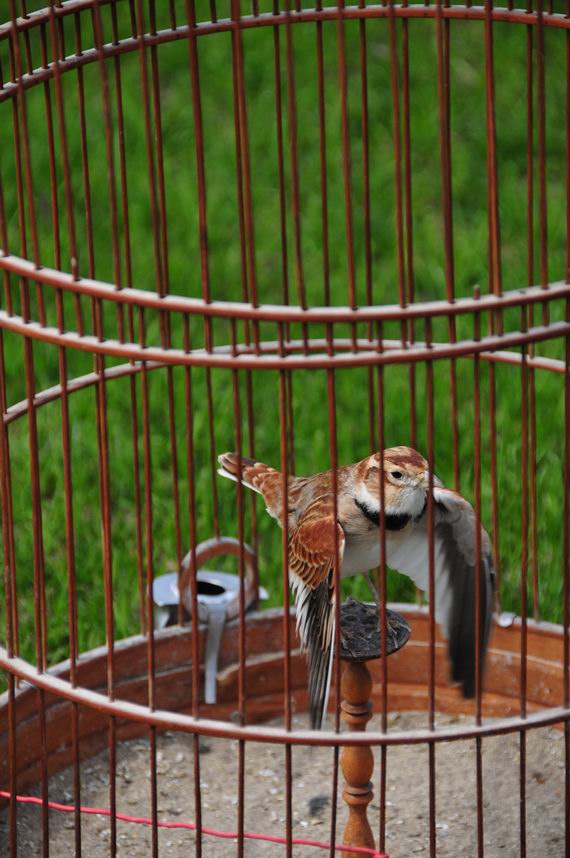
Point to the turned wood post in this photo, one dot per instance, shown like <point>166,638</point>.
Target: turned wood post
<point>357,762</point>
<point>360,642</point>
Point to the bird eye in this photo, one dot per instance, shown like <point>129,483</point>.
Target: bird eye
<point>396,474</point>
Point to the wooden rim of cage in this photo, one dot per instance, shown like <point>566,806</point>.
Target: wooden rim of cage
<point>407,690</point>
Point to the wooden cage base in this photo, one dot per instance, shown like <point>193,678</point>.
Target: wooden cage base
<point>407,685</point>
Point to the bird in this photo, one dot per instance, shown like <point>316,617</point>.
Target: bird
<point>322,533</point>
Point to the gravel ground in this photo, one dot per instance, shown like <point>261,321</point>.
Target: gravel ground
<point>407,798</point>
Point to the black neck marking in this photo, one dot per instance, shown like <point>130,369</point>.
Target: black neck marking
<point>374,517</point>
<point>396,522</point>
<point>392,521</point>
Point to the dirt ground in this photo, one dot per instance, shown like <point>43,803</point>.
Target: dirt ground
<point>406,791</point>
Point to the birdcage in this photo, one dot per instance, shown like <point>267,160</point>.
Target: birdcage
<point>303,233</point>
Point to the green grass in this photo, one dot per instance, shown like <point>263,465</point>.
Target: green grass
<point>311,439</point>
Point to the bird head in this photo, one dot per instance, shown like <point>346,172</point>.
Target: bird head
<point>405,477</point>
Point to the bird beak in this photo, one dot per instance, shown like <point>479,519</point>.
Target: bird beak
<point>436,481</point>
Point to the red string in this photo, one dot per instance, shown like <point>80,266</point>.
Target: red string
<point>191,826</point>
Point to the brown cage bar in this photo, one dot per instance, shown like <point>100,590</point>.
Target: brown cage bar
<point>304,233</point>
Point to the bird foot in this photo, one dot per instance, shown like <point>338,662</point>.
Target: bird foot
<point>373,589</point>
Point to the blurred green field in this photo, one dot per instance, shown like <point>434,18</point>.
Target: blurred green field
<point>309,406</point>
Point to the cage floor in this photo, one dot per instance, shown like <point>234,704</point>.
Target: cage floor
<point>407,798</point>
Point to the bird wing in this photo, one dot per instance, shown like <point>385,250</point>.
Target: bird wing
<point>312,554</point>
<point>455,559</point>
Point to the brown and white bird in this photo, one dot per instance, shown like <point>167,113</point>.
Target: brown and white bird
<point>314,529</point>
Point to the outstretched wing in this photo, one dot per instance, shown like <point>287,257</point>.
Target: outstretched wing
<point>455,555</point>
<point>314,545</point>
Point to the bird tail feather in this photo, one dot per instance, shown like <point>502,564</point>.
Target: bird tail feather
<point>247,471</point>
<point>316,626</point>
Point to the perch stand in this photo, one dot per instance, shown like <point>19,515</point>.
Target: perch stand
<point>361,641</point>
